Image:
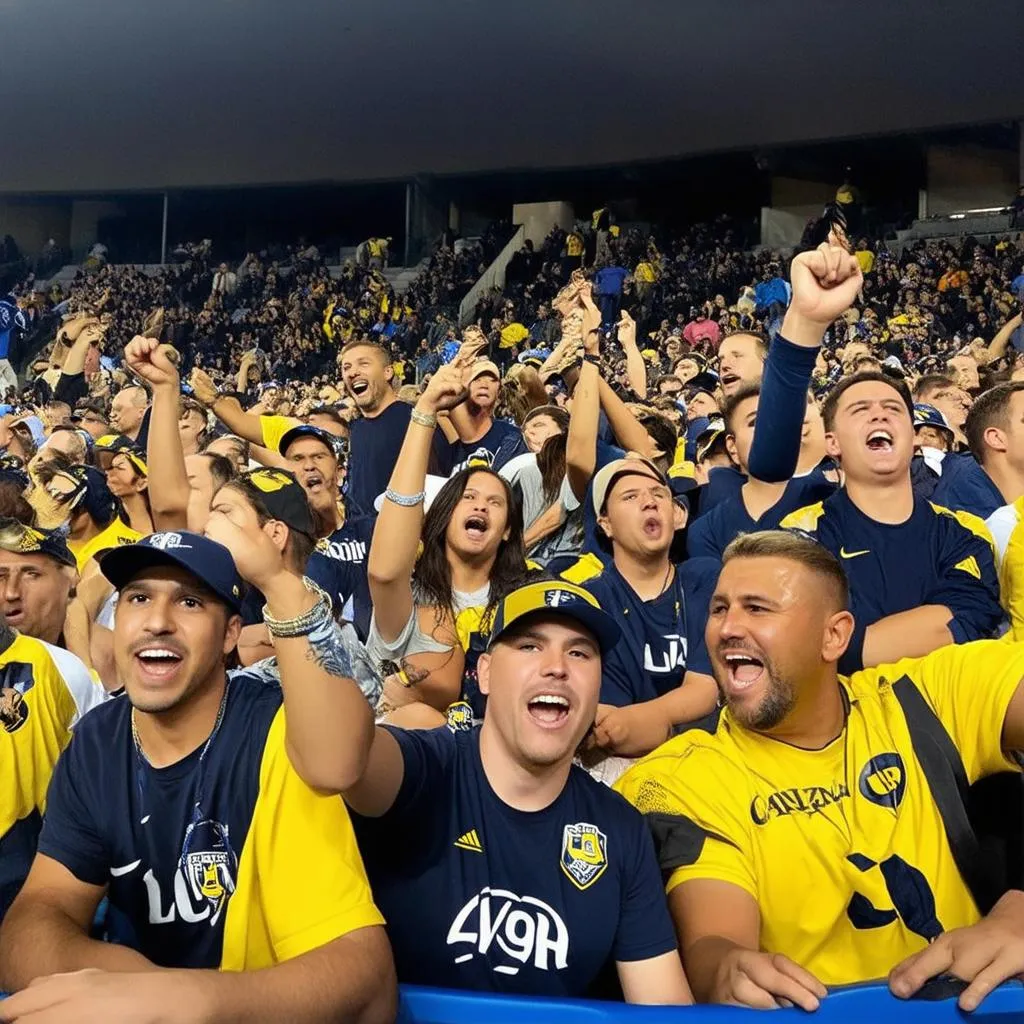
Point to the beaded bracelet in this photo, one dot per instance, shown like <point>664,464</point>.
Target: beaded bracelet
<point>307,622</point>
<point>405,500</point>
<point>423,419</point>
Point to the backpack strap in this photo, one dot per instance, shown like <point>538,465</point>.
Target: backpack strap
<point>944,769</point>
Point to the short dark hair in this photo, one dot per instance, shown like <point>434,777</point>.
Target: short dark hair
<point>667,378</point>
<point>990,409</point>
<point>222,469</point>
<point>931,382</point>
<point>662,432</point>
<point>798,547</point>
<point>384,354</point>
<point>729,406</point>
<point>330,412</point>
<point>831,404</point>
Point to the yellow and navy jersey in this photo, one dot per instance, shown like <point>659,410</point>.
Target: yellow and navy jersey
<point>1008,537</point>
<point>44,691</point>
<point>273,428</point>
<point>843,848</point>
<point>117,534</point>
<point>936,557</point>
<point>504,900</point>
<point>226,859</point>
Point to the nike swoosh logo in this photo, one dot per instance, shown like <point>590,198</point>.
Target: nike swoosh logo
<point>125,869</point>
<point>843,553</point>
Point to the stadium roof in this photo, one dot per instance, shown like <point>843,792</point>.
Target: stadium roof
<point>124,95</point>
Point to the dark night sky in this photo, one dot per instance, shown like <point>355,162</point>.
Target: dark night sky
<point>126,94</point>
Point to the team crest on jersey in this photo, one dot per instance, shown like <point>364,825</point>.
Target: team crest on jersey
<point>460,716</point>
<point>15,681</point>
<point>584,853</point>
<point>883,780</point>
<point>210,865</point>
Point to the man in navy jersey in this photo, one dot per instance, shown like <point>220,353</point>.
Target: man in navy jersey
<point>920,575</point>
<point>498,864</point>
<point>658,676</point>
<point>178,801</point>
<point>759,505</point>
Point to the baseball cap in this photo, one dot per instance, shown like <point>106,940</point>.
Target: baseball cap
<point>284,497</point>
<point>118,444</point>
<point>211,563</point>
<point>21,539</point>
<point>928,416</point>
<point>706,381</point>
<point>710,442</point>
<point>482,366</point>
<point>307,430</point>
<point>561,598</point>
<point>633,464</point>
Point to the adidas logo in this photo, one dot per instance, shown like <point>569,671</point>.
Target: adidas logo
<point>469,841</point>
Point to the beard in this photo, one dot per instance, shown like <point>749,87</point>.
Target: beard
<point>777,702</point>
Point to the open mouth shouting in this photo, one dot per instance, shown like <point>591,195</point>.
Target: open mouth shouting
<point>313,482</point>
<point>880,441</point>
<point>158,662</point>
<point>476,526</point>
<point>728,379</point>
<point>549,710</point>
<point>743,671</point>
<point>359,386</point>
<point>652,527</point>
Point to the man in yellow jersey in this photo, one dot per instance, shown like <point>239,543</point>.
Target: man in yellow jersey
<point>178,802</point>
<point>44,691</point>
<point>803,841</point>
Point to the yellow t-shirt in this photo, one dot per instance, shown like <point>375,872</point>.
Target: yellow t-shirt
<point>842,848</point>
<point>115,535</point>
<point>44,690</point>
<point>574,245</point>
<point>274,428</point>
<point>866,259</point>
<point>291,896</point>
<point>1008,535</point>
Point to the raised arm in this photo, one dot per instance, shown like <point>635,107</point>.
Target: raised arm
<point>168,480</point>
<point>825,282</point>
<point>636,368</point>
<point>1001,341</point>
<point>396,536</point>
<point>473,342</point>
<point>581,442</point>
<point>227,410</point>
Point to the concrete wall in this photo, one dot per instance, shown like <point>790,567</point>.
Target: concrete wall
<point>85,216</point>
<point>537,219</point>
<point>781,229</point>
<point>31,223</point>
<point>969,178</point>
<point>799,198</point>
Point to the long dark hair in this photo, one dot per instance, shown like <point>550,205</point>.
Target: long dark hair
<point>551,463</point>
<point>432,575</point>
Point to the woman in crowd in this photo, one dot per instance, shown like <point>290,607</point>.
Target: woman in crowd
<point>436,575</point>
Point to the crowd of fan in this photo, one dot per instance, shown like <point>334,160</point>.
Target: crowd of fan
<point>674,515</point>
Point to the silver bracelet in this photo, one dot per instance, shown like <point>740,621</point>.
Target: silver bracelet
<point>305,623</point>
<point>405,500</point>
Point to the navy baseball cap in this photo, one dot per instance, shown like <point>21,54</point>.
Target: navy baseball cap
<point>307,430</point>
<point>561,598</point>
<point>928,416</point>
<point>211,563</point>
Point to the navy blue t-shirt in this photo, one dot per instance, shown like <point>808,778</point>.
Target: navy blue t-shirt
<point>503,436</point>
<point>113,819</point>
<point>374,445</point>
<point>966,487</point>
<point>724,483</point>
<point>478,895</point>
<point>346,550</point>
<point>711,533</point>
<point>662,639</point>
<point>893,567</point>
